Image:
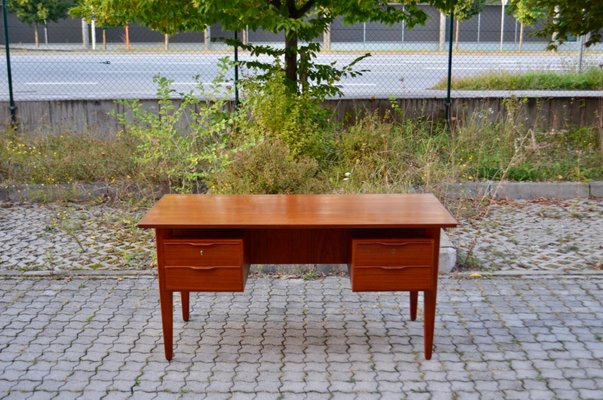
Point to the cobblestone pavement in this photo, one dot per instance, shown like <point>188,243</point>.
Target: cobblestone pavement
<point>511,338</point>
<point>521,235</point>
<point>545,236</point>
<point>47,237</point>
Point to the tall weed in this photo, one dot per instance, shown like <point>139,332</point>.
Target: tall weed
<point>65,158</point>
<point>184,142</point>
<point>297,119</point>
<point>382,155</point>
<point>268,168</point>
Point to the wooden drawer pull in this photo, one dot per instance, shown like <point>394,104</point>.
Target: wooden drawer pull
<point>201,268</point>
<point>393,244</point>
<point>401,267</point>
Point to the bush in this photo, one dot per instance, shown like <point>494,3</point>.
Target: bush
<point>297,119</point>
<point>184,142</point>
<point>268,167</point>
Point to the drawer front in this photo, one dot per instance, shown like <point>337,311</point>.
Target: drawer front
<point>392,252</point>
<point>210,253</point>
<point>202,278</point>
<point>391,278</point>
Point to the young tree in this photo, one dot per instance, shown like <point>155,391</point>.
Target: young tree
<point>107,13</point>
<point>567,18</point>
<point>35,12</point>
<point>91,10</point>
<point>169,17</point>
<point>527,14</point>
<point>300,20</point>
<point>464,10</point>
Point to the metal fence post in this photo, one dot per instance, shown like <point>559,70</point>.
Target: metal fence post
<point>236,71</point>
<point>448,97</point>
<point>12,107</point>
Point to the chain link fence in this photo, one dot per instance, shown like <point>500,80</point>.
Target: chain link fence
<point>74,60</point>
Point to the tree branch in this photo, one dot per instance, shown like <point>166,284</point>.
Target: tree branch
<point>306,7</point>
<point>275,3</point>
<point>292,9</point>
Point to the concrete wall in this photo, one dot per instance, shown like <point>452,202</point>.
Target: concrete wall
<point>58,116</point>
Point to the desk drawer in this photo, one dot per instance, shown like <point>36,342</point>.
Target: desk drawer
<point>391,278</point>
<point>392,252</point>
<point>203,278</point>
<point>392,264</point>
<point>196,252</point>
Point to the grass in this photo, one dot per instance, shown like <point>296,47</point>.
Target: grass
<point>590,79</point>
<point>371,154</point>
<point>65,158</point>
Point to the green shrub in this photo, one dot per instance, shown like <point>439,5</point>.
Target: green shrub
<point>297,119</point>
<point>183,142</point>
<point>270,168</point>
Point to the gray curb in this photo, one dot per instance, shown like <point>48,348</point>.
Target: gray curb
<point>4,275</point>
<point>503,190</point>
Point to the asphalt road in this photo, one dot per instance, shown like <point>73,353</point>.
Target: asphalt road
<point>76,75</point>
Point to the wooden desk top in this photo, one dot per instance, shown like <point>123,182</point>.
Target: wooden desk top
<point>298,211</point>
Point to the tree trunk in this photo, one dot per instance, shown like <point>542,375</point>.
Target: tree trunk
<point>166,41</point>
<point>520,35</point>
<point>36,37</point>
<point>127,32</point>
<point>601,129</point>
<point>456,35</point>
<point>104,38</point>
<point>304,60</point>
<point>291,59</point>
<point>45,33</point>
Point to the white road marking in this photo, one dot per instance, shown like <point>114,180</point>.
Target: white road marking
<point>491,68</point>
<point>61,83</point>
<point>204,83</point>
<point>164,63</point>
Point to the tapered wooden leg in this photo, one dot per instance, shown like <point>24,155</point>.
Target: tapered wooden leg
<point>185,310</point>
<point>430,310</point>
<point>413,305</point>
<point>167,310</point>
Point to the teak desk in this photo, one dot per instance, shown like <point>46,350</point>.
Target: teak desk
<point>205,243</point>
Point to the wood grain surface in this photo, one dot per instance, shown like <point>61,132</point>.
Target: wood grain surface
<point>298,211</point>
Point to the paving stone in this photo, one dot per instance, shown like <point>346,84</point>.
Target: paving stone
<point>521,236</point>
<point>469,312</point>
<point>57,238</point>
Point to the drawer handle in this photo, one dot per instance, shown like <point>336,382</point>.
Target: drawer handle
<point>394,244</point>
<point>401,267</point>
<point>202,268</point>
